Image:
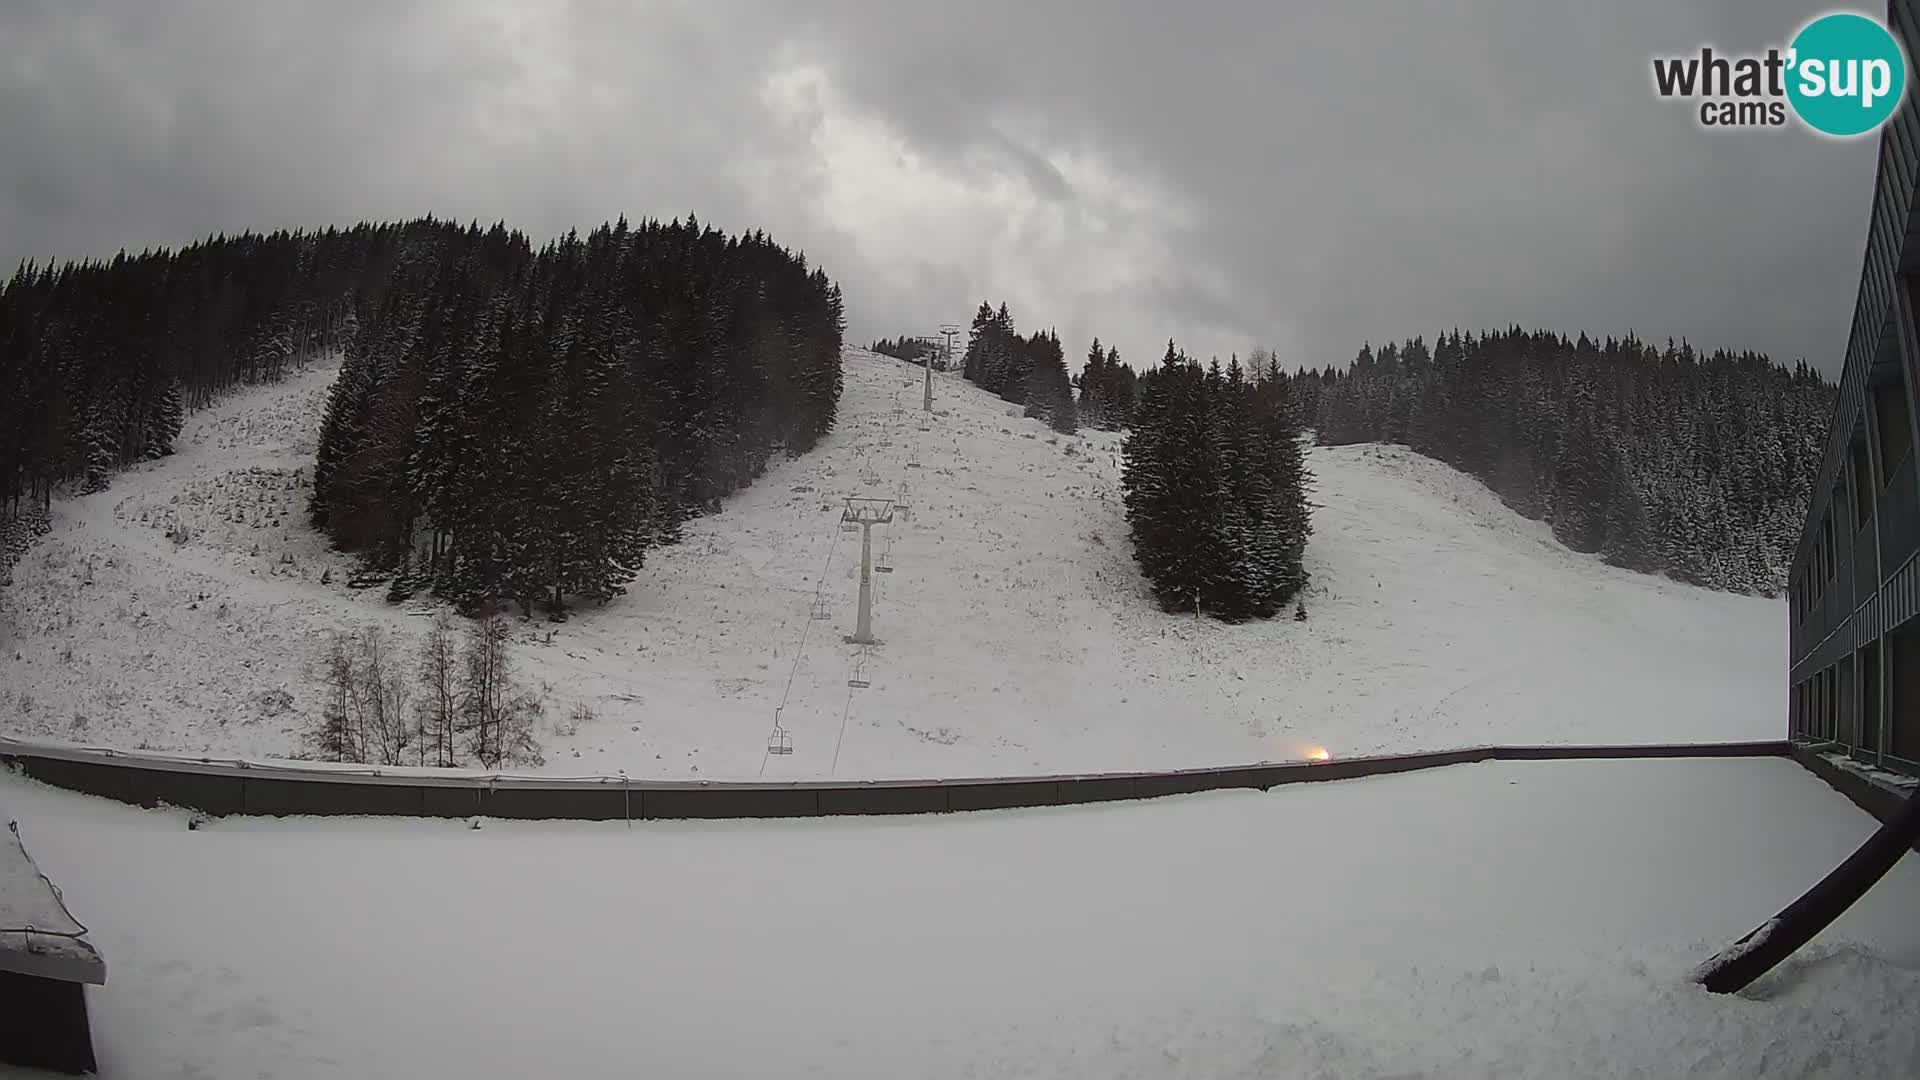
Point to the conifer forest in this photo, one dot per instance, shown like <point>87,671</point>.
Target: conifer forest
<point>1663,460</point>
<point>509,424</point>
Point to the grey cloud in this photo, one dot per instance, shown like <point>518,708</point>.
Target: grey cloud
<point>1346,170</point>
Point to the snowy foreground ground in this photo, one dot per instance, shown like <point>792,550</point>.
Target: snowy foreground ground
<point>1503,919</point>
<point>1018,636</point>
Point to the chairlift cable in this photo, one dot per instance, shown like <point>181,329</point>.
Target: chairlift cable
<point>826,566</point>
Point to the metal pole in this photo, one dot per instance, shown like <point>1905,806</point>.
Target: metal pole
<point>926,404</point>
<point>1776,939</point>
<point>863,629</point>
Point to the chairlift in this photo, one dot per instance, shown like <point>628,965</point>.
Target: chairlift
<point>883,564</point>
<point>913,460</point>
<point>780,741</point>
<point>869,476</point>
<point>820,609</point>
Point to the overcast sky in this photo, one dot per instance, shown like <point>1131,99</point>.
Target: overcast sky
<point>1297,175</point>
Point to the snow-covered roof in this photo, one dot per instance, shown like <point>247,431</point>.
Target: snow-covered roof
<point>38,935</point>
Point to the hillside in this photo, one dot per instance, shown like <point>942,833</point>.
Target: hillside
<point>185,609</point>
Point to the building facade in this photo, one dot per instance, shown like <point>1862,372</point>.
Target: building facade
<point>1854,591</point>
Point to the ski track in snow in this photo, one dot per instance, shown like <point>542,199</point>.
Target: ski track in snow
<point>1017,634</point>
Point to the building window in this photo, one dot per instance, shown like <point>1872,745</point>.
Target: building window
<point>1903,665</point>
<point>1864,488</point>
<point>1823,720</point>
<point>1868,665</point>
<point>1846,710</point>
<point>1826,545</point>
<point>1896,432</point>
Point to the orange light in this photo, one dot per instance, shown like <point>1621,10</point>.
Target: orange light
<point>1318,753</point>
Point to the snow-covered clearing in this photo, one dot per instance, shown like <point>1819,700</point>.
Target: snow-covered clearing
<point>1503,919</point>
<point>1017,634</point>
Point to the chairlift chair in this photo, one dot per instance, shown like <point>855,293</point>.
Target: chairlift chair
<point>780,741</point>
<point>883,564</point>
<point>820,609</point>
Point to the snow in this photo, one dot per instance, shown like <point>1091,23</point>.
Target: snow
<point>1017,634</point>
<point>26,899</point>
<point>1758,938</point>
<point>38,936</point>
<point>1499,919</point>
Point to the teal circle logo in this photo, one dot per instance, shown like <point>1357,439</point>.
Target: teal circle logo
<point>1846,74</point>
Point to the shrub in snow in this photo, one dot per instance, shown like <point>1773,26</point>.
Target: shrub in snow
<point>581,716</point>
<point>275,702</point>
<point>365,718</point>
<point>499,716</point>
<point>438,708</point>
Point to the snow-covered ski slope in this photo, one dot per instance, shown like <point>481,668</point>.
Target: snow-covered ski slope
<point>1017,636</point>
